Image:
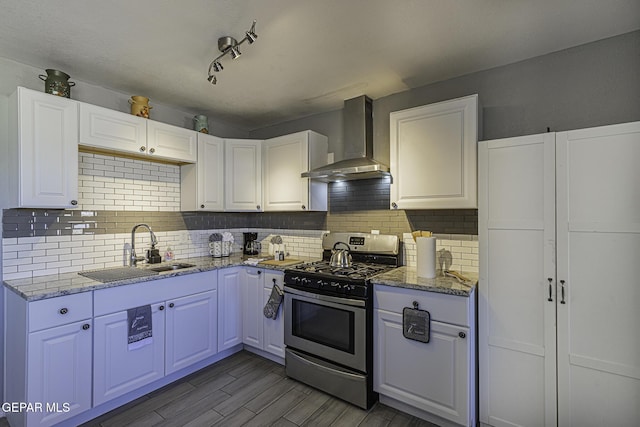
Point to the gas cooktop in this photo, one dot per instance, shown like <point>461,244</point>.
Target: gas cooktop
<point>358,270</point>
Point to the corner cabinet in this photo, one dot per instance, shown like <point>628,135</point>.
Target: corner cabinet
<point>243,175</point>
<point>285,158</point>
<point>202,184</point>
<point>559,232</point>
<point>43,150</point>
<point>433,155</point>
<point>118,132</point>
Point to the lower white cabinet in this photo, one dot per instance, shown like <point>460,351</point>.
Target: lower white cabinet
<point>435,378</point>
<point>229,307</point>
<point>273,329</point>
<point>118,370</point>
<point>191,330</point>
<point>48,358</point>
<point>252,295</point>
<point>258,331</point>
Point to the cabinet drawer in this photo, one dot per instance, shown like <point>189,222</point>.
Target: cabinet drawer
<point>58,311</point>
<point>444,308</point>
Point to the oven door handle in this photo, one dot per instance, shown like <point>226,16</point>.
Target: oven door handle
<point>336,300</point>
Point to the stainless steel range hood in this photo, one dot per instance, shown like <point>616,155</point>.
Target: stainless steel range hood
<point>358,142</point>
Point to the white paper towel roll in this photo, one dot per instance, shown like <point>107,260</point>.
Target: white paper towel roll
<point>426,265</point>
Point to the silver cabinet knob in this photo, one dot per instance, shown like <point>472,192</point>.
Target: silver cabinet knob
<point>74,202</point>
<point>143,149</point>
<point>304,208</point>
<point>394,205</point>
<point>152,150</point>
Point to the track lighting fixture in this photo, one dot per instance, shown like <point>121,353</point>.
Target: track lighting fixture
<point>229,45</point>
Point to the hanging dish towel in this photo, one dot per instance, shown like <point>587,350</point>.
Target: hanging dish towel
<point>139,322</point>
<point>275,299</point>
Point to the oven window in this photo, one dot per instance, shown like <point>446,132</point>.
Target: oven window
<point>328,326</point>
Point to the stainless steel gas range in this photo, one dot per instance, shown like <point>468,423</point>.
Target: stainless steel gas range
<point>329,315</point>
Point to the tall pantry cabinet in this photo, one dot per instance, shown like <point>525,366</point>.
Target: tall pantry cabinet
<point>559,233</point>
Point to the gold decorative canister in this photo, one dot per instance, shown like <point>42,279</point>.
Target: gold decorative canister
<point>140,106</point>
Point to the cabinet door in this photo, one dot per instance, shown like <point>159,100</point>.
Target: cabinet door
<point>433,376</point>
<point>118,370</point>
<point>517,301</point>
<point>273,331</point>
<point>284,159</point>
<point>59,372</point>
<point>433,155</point>
<point>210,173</point>
<point>112,130</point>
<point>252,296</point>
<point>48,150</point>
<point>171,142</point>
<point>229,307</point>
<point>243,175</point>
<point>191,330</point>
<point>598,246</point>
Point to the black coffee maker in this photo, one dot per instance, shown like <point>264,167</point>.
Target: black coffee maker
<point>251,246</point>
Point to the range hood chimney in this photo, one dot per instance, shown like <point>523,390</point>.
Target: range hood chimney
<point>358,142</point>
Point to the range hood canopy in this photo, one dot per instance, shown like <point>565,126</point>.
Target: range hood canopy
<point>358,141</point>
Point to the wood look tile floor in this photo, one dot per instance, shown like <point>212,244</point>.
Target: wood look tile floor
<point>246,390</point>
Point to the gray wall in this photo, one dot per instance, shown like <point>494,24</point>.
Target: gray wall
<point>589,85</point>
<point>13,74</point>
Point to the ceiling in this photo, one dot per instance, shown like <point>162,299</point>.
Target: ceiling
<point>310,54</point>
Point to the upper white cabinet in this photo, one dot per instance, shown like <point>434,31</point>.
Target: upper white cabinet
<point>112,130</point>
<point>43,150</point>
<point>171,142</point>
<point>559,232</point>
<point>284,159</point>
<point>116,131</point>
<point>243,175</point>
<point>202,184</point>
<point>433,155</point>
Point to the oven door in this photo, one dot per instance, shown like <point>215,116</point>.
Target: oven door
<point>328,327</point>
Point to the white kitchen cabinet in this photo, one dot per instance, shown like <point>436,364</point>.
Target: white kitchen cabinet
<point>273,329</point>
<point>49,358</point>
<point>202,184</point>
<point>118,370</point>
<point>112,130</point>
<point>191,330</point>
<point>436,378</point>
<point>243,175</point>
<point>252,296</point>
<point>118,132</point>
<point>284,159</point>
<point>559,236</point>
<point>230,310</point>
<point>259,332</point>
<point>43,150</point>
<point>171,143</point>
<point>433,155</point>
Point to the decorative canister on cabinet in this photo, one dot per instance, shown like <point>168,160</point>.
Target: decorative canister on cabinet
<point>140,106</point>
<point>201,123</point>
<point>57,83</point>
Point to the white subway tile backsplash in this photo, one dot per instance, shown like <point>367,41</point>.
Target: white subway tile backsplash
<point>112,183</point>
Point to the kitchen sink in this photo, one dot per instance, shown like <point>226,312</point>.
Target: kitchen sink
<point>107,275</point>
<point>170,267</point>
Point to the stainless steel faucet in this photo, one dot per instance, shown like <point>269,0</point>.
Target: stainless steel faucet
<point>134,258</point>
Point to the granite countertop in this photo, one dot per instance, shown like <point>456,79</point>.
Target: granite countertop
<point>407,277</point>
<point>38,288</point>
